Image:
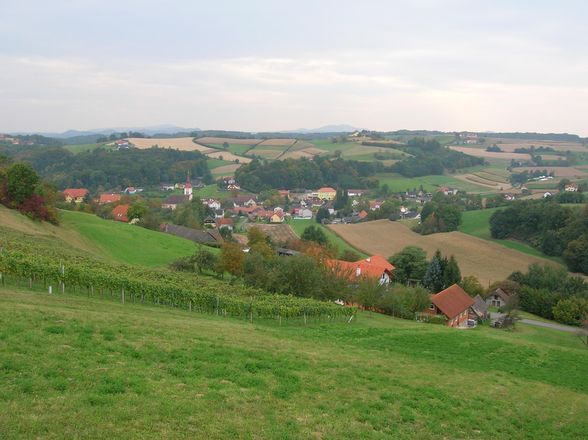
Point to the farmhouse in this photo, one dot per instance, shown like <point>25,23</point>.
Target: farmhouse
<point>167,187</point>
<point>356,192</point>
<point>571,187</point>
<point>172,202</point>
<point>454,304</point>
<point>108,198</point>
<point>76,195</point>
<point>212,203</point>
<point>479,310</point>
<point>302,213</point>
<point>225,223</point>
<point>244,201</point>
<point>120,213</point>
<point>497,298</point>
<point>277,217</point>
<point>372,267</point>
<point>326,193</point>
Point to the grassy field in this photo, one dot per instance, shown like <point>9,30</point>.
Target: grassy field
<point>398,183</point>
<point>299,225</point>
<point>486,260</point>
<point>127,243</point>
<point>75,367</point>
<point>477,223</point>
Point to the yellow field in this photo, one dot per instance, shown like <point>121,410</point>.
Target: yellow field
<point>226,155</point>
<point>184,144</point>
<point>220,140</point>
<point>486,260</point>
<point>480,152</point>
<point>509,145</point>
<point>278,142</point>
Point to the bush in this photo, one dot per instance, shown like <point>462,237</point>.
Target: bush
<point>572,311</point>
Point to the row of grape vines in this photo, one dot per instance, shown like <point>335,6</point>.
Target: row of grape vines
<point>187,291</point>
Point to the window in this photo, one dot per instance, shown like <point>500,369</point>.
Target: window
<point>432,306</point>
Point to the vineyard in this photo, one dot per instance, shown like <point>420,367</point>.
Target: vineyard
<point>74,274</point>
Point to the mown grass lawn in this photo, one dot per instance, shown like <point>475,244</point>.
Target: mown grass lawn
<point>126,243</point>
<point>76,367</point>
<point>398,183</point>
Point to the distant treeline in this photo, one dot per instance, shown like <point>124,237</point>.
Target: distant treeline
<point>115,169</point>
<point>555,229</point>
<point>304,173</point>
<point>429,157</point>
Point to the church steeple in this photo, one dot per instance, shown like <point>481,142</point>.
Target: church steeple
<point>188,187</point>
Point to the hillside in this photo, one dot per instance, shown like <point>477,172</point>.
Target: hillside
<point>89,234</point>
<point>78,367</point>
<point>484,259</point>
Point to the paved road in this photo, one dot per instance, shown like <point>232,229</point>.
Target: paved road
<point>560,327</point>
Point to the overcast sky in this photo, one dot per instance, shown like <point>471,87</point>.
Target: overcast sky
<point>271,65</point>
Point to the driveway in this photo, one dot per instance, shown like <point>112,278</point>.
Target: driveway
<point>560,327</point>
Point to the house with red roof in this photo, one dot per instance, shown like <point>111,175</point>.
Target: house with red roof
<point>326,193</point>
<point>372,267</point>
<point>108,198</point>
<point>76,195</point>
<point>120,213</point>
<point>227,223</point>
<point>452,303</point>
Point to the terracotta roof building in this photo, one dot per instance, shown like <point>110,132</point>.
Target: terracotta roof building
<point>372,267</point>
<point>120,213</point>
<point>76,195</point>
<point>109,198</point>
<point>453,303</point>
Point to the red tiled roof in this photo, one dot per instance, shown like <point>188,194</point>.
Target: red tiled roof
<point>225,221</point>
<point>120,213</point>
<point>326,189</point>
<point>75,192</point>
<point>362,214</point>
<point>109,198</point>
<point>373,266</point>
<point>452,301</point>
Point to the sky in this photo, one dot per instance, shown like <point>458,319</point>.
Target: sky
<point>274,65</point>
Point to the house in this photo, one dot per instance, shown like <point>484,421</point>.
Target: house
<point>108,198</point>
<point>362,215</point>
<point>356,192</point>
<point>120,213</point>
<point>497,298</point>
<point>571,187</point>
<point>244,201</point>
<point>284,192</point>
<point>207,236</point>
<point>172,202</point>
<point>167,186</point>
<point>454,304</point>
<point>448,191</point>
<point>509,197</point>
<point>479,310</point>
<point>122,144</point>
<point>547,194</point>
<point>372,267</point>
<point>302,213</point>
<point>212,203</point>
<point>326,193</point>
<point>233,187</point>
<point>375,204</point>
<point>219,213</point>
<point>277,217</point>
<point>130,190</point>
<point>225,223</point>
<point>76,195</point>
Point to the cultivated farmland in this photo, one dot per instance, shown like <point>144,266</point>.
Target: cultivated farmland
<point>479,152</point>
<point>184,144</point>
<point>486,260</point>
<point>220,140</point>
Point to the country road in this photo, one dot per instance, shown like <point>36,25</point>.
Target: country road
<point>560,327</point>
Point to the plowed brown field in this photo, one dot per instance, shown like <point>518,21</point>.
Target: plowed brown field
<point>486,260</point>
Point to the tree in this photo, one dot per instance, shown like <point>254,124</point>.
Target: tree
<point>572,311</point>
<point>225,145</point>
<point>231,259</point>
<point>433,279</point>
<point>322,214</point>
<point>410,264</point>
<point>203,259</point>
<point>259,243</point>
<point>472,286</point>
<point>451,273</point>
<point>576,254</point>
<point>21,182</point>
<point>137,211</point>
<point>316,234</point>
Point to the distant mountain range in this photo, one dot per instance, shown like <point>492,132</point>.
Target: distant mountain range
<point>149,131</point>
<point>340,128</point>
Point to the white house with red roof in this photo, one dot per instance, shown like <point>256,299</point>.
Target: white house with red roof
<point>76,195</point>
<point>375,266</point>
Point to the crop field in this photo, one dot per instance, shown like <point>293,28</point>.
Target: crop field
<point>558,171</point>
<point>279,234</point>
<point>219,140</point>
<point>225,170</point>
<point>184,144</point>
<point>509,145</point>
<point>297,154</point>
<point>277,142</point>
<point>398,183</point>
<point>77,367</point>
<point>238,149</point>
<point>228,156</point>
<point>486,180</point>
<point>479,152</point>
<point>484,259</point>
<point>265,153</point>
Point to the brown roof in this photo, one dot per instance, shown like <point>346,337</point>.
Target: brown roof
<point>120,213</point>
<point>109,198</point>
<point>452,301</point>
<point>75,192</point>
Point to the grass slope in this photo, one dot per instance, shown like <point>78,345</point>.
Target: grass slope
<point>127,243</point>
<point>299,225</point>
<point>477,223</point>
<point>398,183</point>
<point>74,367</point>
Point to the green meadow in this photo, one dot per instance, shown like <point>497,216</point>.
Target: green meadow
<point>398,183</point>
<point>78,367</point>
<point>299,225</point>
<point>126,243</point>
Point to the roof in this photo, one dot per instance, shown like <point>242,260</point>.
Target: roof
<point>120,213</point>
<point>373,266</point>
<point>327,189</point>
<point>480,306</point>
<point>199,236</point>
<point>75,192</point>
<point>109,198</point>
<point>175,200</point>
<point>501,293</point>
<point>452,301</point>
<point>225,222</point>
<point>362,214</point>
